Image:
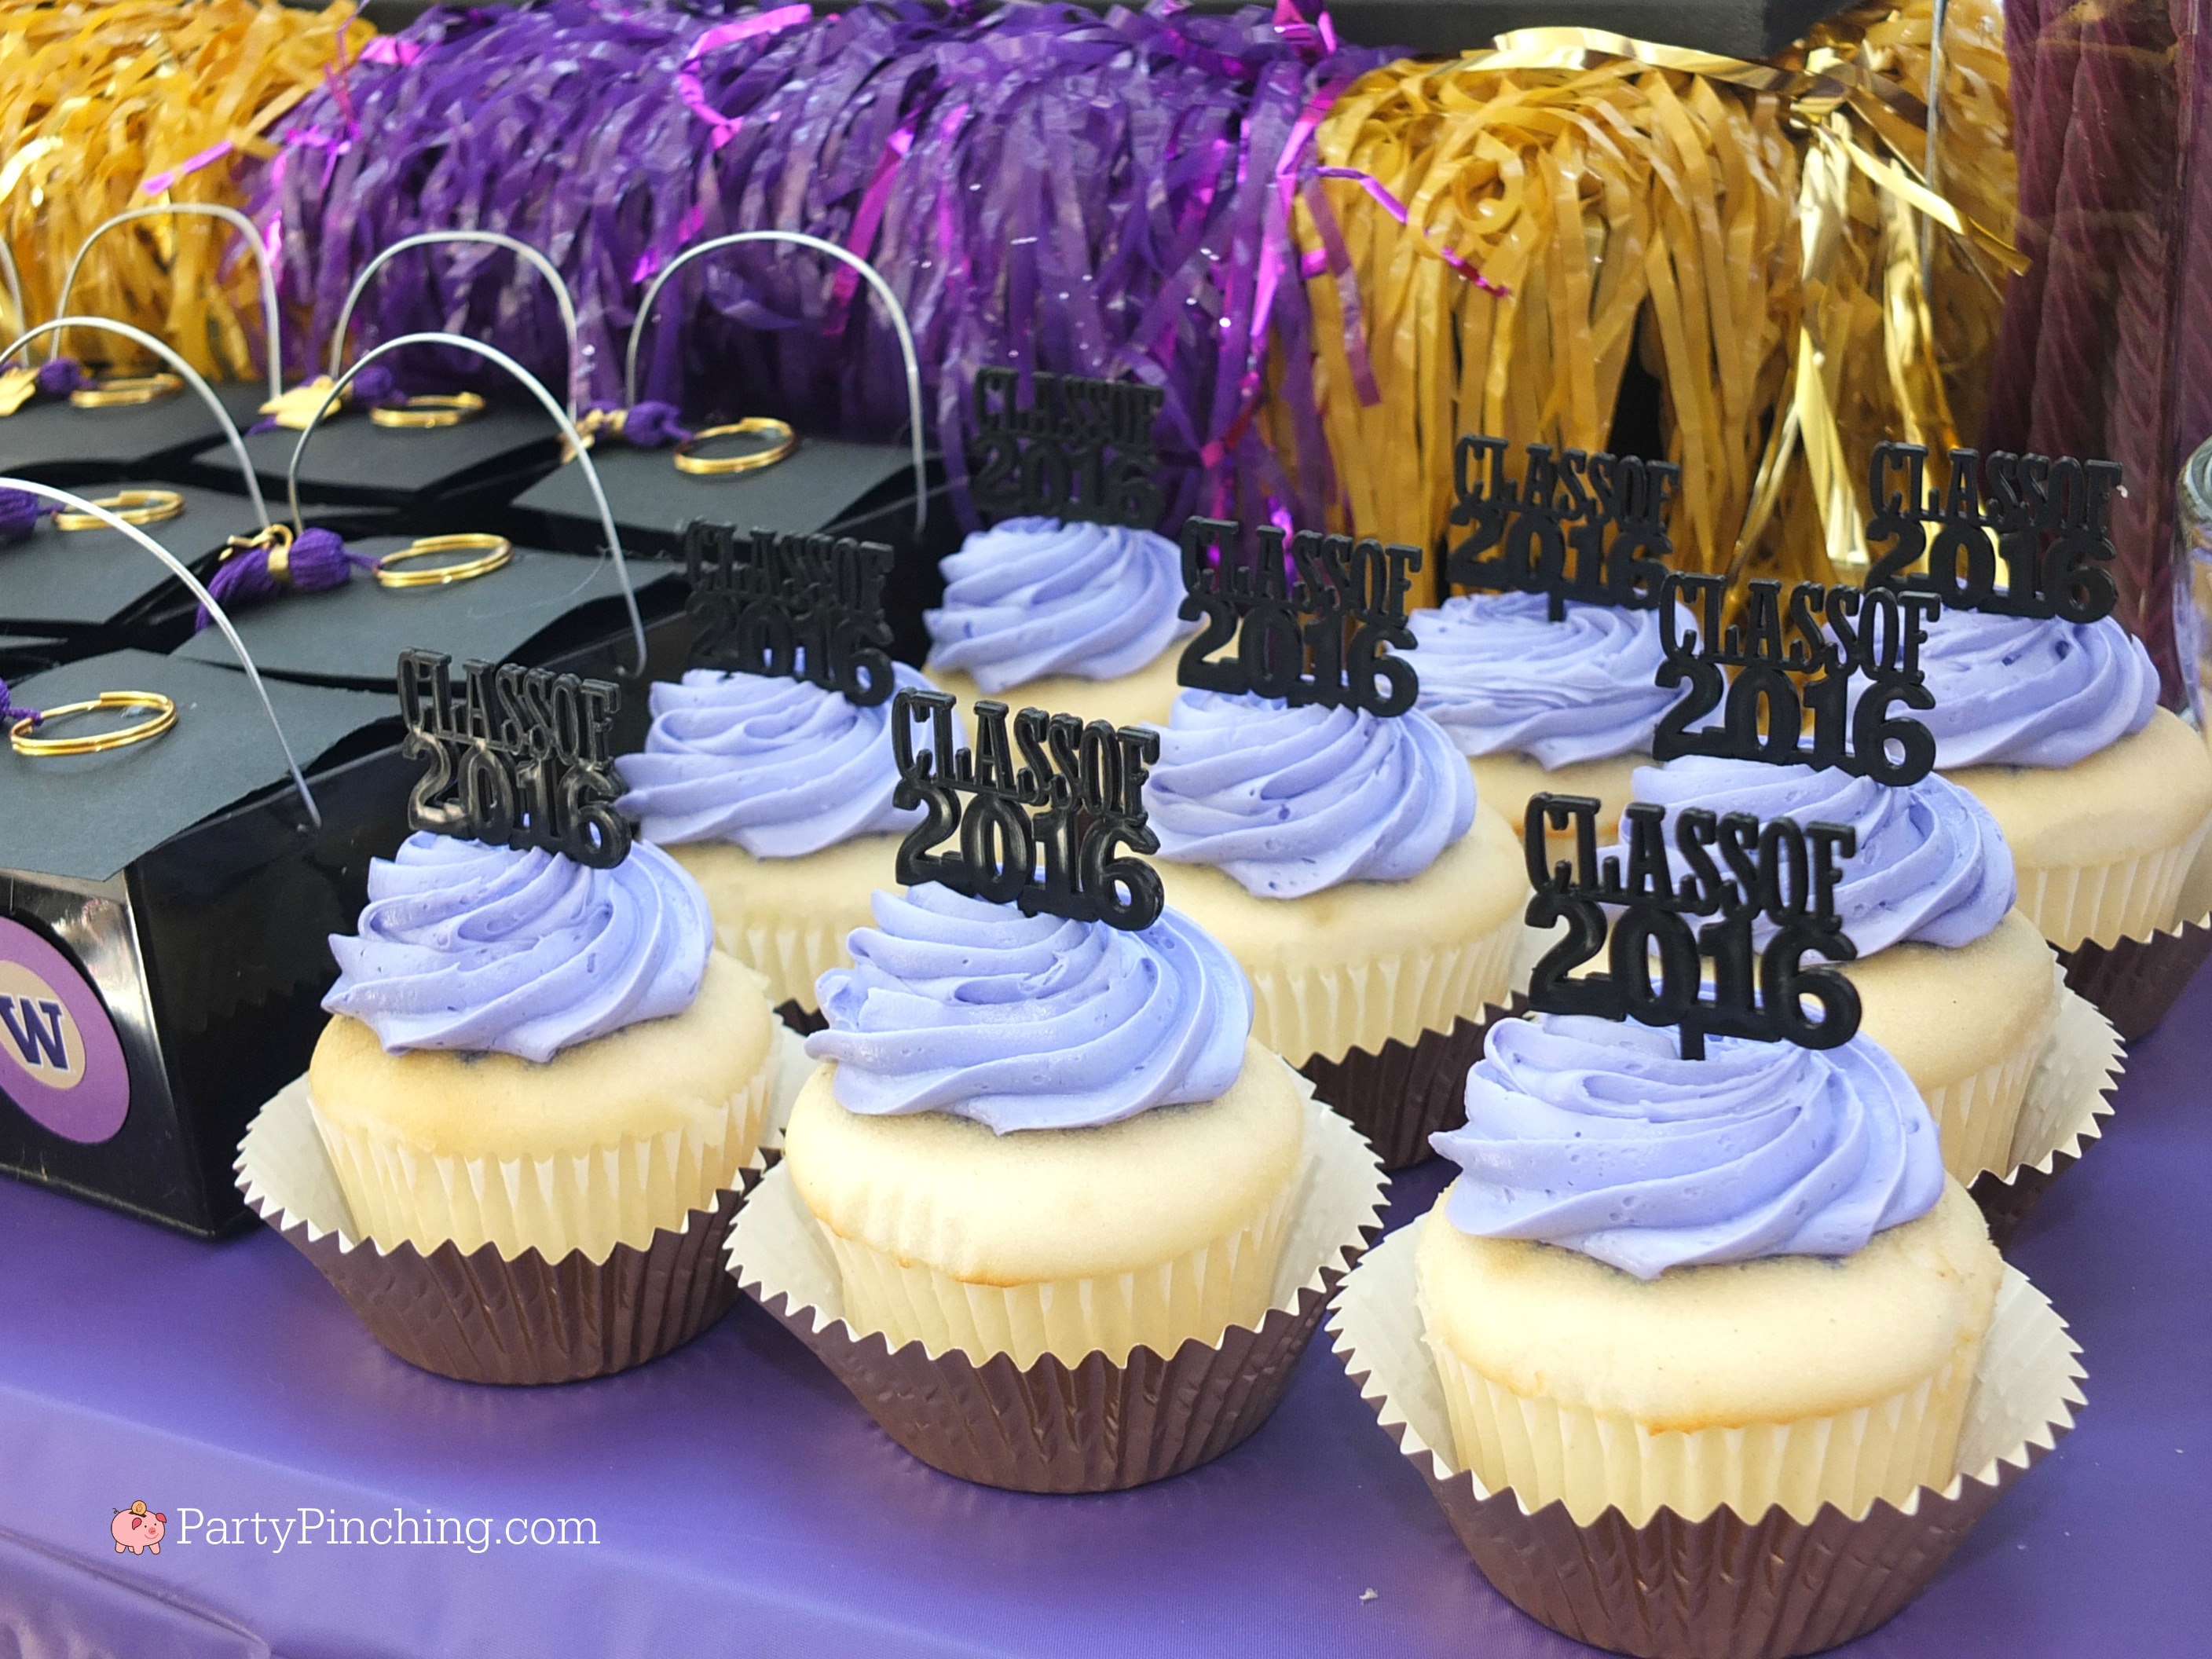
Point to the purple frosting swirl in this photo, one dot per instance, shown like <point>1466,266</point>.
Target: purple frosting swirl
<point>779,766</point>
<point>1291,801</point>
<point>1031,598</point>
<point>1018,1022</point>
<point>1501,677</point>
<point>2023,691</point>
<point>1931,866</point>
<point>485,950</point>
<point>1598,1137</point>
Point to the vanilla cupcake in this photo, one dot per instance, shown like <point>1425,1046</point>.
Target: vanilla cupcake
<point>1080,617</point>
<point>1036,1136</point>
<point>1568,707</point>
<point>528,1053</point>
<point>776,796</point>
<point>1741,1280</point>
<point>2103,795</point>
<point>1956,985</point>
<point>1345,861</point>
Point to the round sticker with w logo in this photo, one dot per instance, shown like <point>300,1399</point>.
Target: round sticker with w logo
<point>60,1060</point>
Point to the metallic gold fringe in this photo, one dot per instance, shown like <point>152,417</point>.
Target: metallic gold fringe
<point>1751,230</point>
<point>96,100</point>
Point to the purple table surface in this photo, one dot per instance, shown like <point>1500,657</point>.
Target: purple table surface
<point>744,1504</point>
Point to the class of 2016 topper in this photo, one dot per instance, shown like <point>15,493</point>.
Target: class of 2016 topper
<point>520,758</point>
<point>2046,522</point>
<point>1827,637</point>
<point>1319,622</point>
<point>793,607</point>
<point>1741,868</point>
<point>1046,788</point>
<point>1077,449</point>
<point>1574,526</point>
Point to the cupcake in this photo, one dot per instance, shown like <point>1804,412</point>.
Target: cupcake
<point>775,795</point>
<point>2103,796</point>
<point>1534,705</point>
<point>1345,861</point>
<point>1954,984</point>
<point>1069,616</point>
<point>530,1053</point>
<point>1034,1136</point>
<point>1743,1281</point>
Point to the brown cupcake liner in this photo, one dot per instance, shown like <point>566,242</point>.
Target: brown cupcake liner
<point>1722,1587</point>
<point>2071,1088</point>
<point>2136,982</point>
<point>1398,1098</point>
<point>483,1317</point>
<point>804,1020</point>
<point>1098,1425</point>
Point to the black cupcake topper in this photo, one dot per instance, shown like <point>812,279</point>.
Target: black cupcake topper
<point>1079,449</point>
<point>1317,622</point>
<point>791,607</point>
<point>1049,787</point>
<point>1821,635</point>
<point>517,758</point>
<point>2043,524</point>
<point>1574,526</point>
<point>1655,963</point>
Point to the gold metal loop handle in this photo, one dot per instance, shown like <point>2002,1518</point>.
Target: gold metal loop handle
<point>493,551</point>
<point>122,737</point>
<point>132,505</point>
<point>781,441</point>
<point>127,391</point>
<point>431,409</point>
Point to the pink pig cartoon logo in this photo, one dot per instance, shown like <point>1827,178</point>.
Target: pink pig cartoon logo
<point>137,1530</point>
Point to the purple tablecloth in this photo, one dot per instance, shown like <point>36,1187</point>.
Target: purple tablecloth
<point>742,1503</point>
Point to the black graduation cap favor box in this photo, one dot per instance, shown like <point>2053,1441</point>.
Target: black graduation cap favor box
<point>95,585</point>
<point>353,462</point>
<point>56,442</point>
<point>541,609</point>
<point>165,908</point>
<point>1733,28</point>
<point>751,472</point>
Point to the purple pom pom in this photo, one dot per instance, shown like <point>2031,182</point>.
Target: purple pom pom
<point>317,560</point>
<point>11,711</point>
<point>61,376</point>
<point>20,512</point>
<point>653,426</point>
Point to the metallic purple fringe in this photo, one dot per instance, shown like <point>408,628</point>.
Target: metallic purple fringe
<point>1042,186</point>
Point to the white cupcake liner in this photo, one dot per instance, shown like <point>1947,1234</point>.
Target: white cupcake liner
<point>1725,1586</point>
<point>481,1316</point>
<point>2069,1089</point>
<point>1327,1009</point>
<point>1102,1422</point>
<point>2102,904</point>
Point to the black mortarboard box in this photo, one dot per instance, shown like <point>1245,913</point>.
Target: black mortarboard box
<point>97,588</point>
<point>165,911</point>
<point>823,487</point>
<point>55,442</point>
<point>412,471</point>
<point>544,609</point>
<point>1733,28</point>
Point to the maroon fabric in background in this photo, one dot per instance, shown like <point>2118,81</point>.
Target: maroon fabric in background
<point>2104,341</point>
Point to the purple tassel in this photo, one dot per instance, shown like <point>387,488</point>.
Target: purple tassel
<point>19,513</point>
<point>374,387</point>
<point>11,711</point>
<point>650,425</point>
<point>59,376</point>
<point>317,561</point>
